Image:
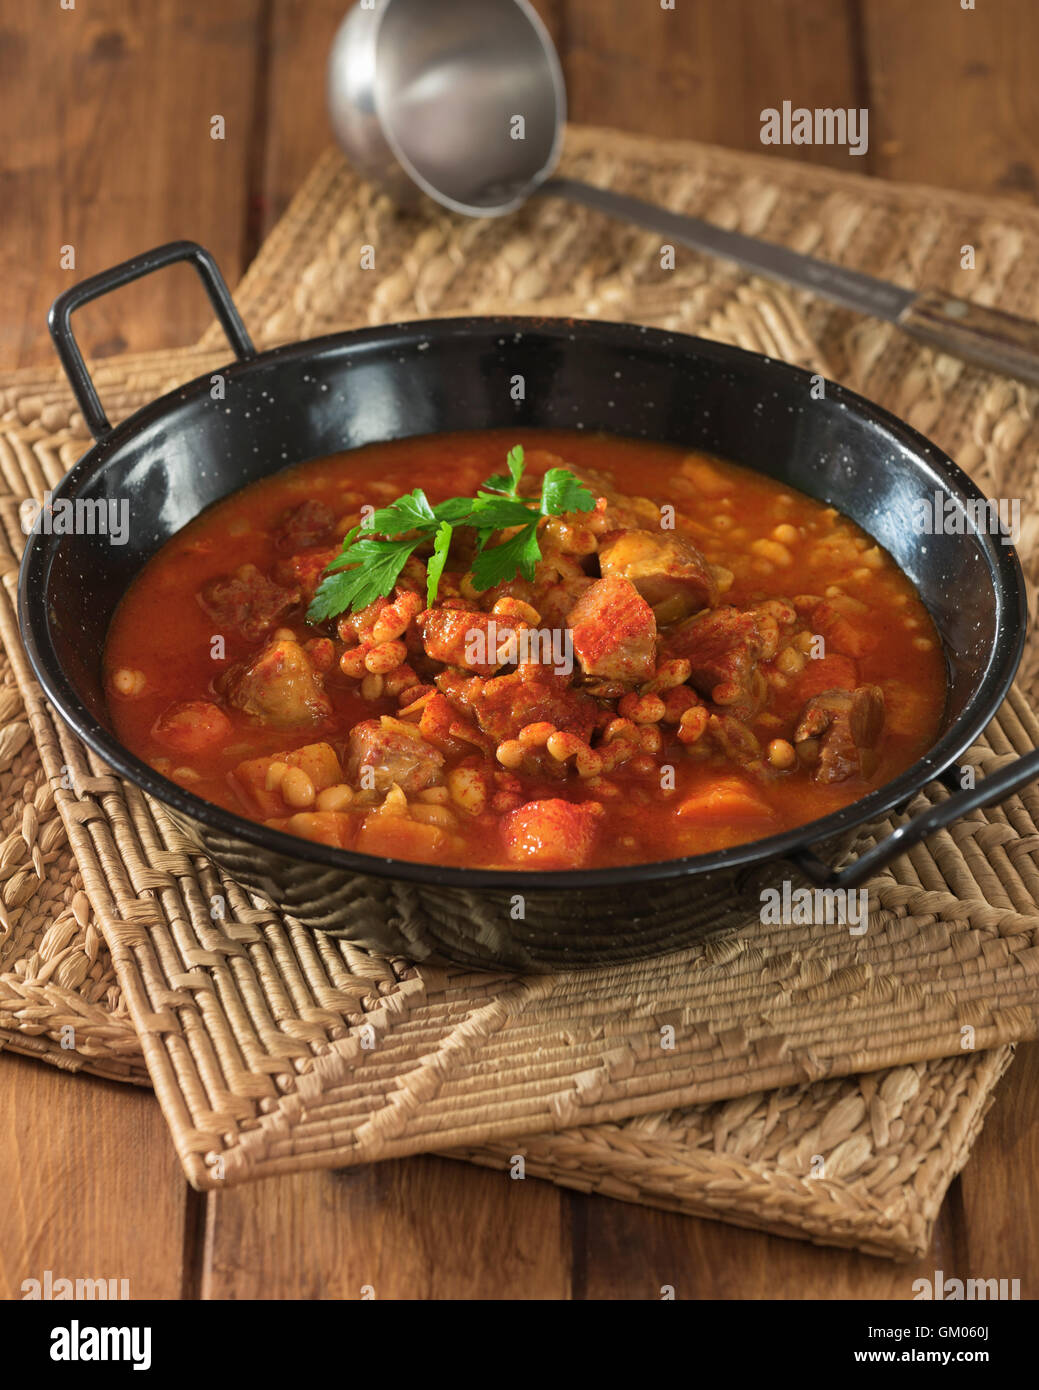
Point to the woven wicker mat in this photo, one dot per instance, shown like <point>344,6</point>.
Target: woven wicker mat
<point>251,1032</point>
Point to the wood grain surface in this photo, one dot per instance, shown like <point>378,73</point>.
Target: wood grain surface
<point>107,111</point>
<point>106,118</point>
<point>92,1190</point>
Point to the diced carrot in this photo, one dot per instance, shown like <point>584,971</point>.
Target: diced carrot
<point>726,799</point>
<point>832,672</point>
<point>551,834</point>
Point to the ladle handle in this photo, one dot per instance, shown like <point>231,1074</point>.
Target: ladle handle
<point>852,288</point>
<point>1000,342</point>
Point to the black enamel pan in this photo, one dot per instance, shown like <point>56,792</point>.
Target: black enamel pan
<point>187,450</point>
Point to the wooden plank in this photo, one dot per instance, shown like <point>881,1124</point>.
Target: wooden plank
<point>107,122</point>
<point>628,1252</point>
<point>92,1187</point>
<point>706,72</point>
<point>953,96</point>
<point>420,1228</point>
<point>998,1184</point>
<point>297,128</point>
<point>554,15</point>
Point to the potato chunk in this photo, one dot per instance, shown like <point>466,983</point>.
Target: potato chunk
<point>396,837</point>
<point>250,778</point>
<point>335,828</point>
<point>193,726</point>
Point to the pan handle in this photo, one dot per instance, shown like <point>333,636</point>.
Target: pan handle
<point>58,320</point>
<point>986,793</point>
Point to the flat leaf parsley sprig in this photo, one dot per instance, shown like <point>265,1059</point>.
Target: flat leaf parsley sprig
<point>374,555</point>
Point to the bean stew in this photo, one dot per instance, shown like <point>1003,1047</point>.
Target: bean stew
<point>690,656</point>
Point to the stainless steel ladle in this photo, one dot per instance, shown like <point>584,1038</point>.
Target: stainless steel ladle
<point>464,100</point>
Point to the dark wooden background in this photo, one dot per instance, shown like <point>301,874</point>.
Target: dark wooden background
<point>104,119</point>
<point>105,115</point>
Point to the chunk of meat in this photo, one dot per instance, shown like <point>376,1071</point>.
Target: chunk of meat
<point>304,572</point>
<point>450,727</point>
<point>551,834</point>
<point>670,573</point>
<point>311,523</point>
<point>723,648</point>
<point>384,751</point>
<point>738,743</point>
<point>280,686</point>
<point>247,601</point>
<point>616,511</point>
<point>475,642</point>
<point>192,726</point>
<point>614,632</point>
<point>837,731</point>
<point>532,695</point>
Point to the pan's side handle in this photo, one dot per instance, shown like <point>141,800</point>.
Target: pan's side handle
<point>58,320</point>
<point>986,793</point>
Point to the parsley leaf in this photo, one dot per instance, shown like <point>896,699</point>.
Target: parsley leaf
<point>496,513</point>
<point>407,513</point>
<point>374,567</point>
<point>455,510</point>
<point>499,563</point>
<point>437,561</point>
<point>562,492</point>
<point>373,555</point>
<point>508,485</point>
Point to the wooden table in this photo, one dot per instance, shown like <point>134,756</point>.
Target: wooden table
<point>107,111</point>
<point>92,1189</point>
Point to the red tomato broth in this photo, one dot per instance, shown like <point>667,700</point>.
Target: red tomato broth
<point>161,630</point>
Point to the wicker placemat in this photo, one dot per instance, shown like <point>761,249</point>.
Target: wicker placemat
<point>894,1140</point>
<point>748,1144</point>
<point>252,1030</point>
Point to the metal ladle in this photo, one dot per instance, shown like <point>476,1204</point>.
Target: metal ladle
<point>464,100</point>
<point>422,96</point>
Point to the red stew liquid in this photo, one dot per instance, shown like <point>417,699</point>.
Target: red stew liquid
<point>706,659</point>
